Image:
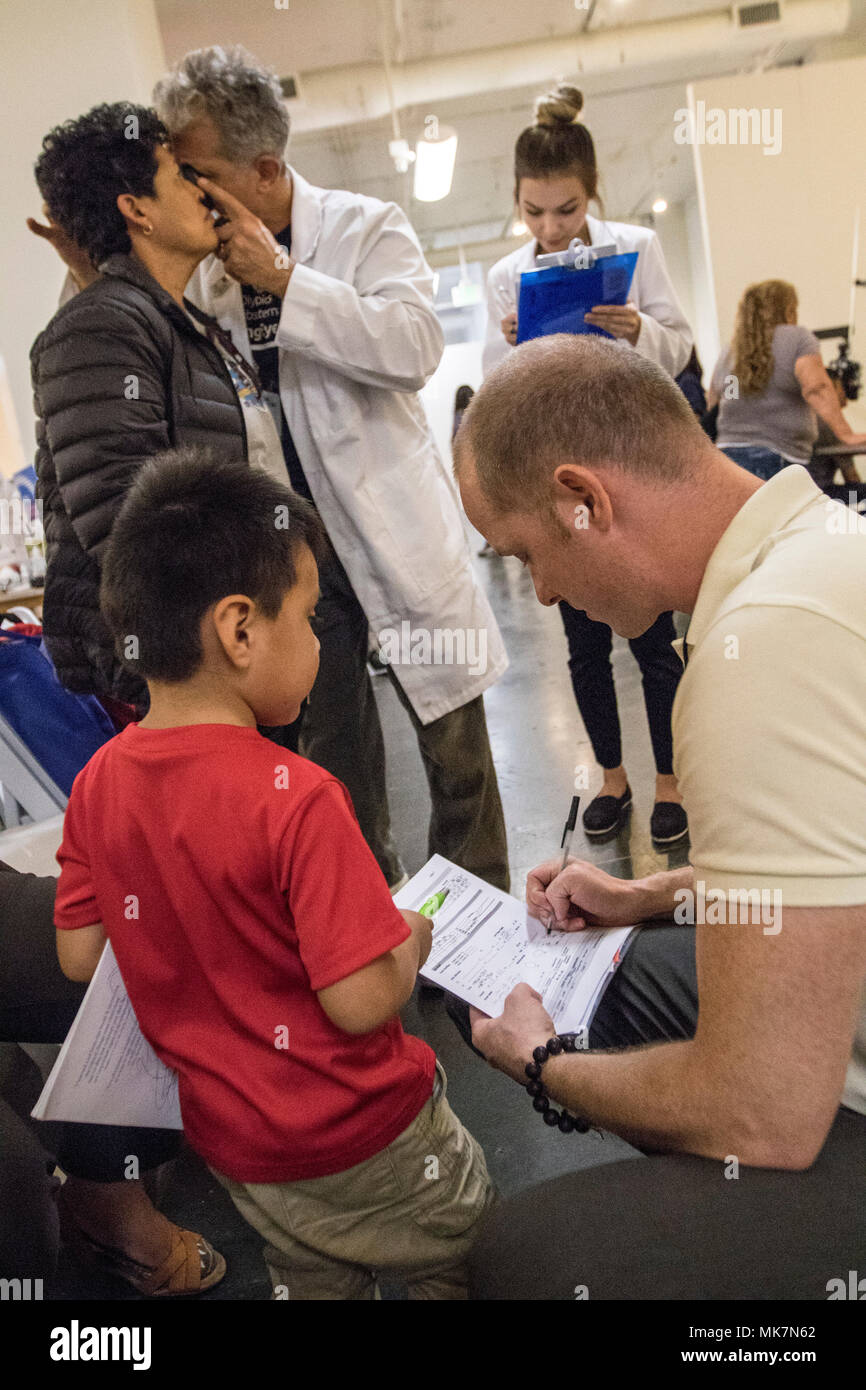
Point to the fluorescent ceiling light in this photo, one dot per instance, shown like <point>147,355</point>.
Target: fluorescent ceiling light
<point>434,165</point>
<point>465,292</point>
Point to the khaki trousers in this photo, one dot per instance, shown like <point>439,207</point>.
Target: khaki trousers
<point>411,1210</point>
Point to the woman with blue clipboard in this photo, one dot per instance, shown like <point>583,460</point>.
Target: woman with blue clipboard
<point>556,178</point>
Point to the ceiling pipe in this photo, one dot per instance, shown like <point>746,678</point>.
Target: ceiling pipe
<point>359,92</point>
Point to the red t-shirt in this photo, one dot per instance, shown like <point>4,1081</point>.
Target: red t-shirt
<point>233,882</point>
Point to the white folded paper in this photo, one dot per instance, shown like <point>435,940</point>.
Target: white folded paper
<point>107,1073</point>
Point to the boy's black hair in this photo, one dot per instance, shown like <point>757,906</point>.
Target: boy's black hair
<point>86,163</point>
<point>192,530</point>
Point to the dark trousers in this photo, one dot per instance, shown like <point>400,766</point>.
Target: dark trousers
<point>589,648</point>
<point>675,1226</point>
<point>679,1227</point>
<point>339,728</point>
<point>652,997</point>
<point>37,1005</point>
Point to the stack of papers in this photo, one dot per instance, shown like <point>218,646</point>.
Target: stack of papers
<point>485,942</point>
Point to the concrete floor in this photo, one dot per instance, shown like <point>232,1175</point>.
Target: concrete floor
<point>537,739</point>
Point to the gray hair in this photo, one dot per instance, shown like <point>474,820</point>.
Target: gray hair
<point>575,398</point>
<point>242,99</point>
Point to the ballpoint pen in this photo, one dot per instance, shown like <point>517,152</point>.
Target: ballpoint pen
<point>565,842</point>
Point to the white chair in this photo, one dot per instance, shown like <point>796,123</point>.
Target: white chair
<point>31,848</point>
<point>25,786</point>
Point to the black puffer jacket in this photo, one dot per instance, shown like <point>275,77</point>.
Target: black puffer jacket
<point>119,374</point>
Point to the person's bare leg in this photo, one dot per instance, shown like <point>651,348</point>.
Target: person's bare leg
<point>667,788</point>
<point>615,782</point>
<point>119,1214</point>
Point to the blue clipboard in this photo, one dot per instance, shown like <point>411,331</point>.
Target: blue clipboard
<point>555,299</point>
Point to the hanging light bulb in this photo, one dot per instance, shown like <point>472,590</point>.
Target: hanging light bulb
<point>660,205</point>
<point>401,154</point>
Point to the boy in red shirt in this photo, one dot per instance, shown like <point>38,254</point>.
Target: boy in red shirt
<point>256,936</point>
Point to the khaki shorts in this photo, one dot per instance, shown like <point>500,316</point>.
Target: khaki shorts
<point>412,1210</point>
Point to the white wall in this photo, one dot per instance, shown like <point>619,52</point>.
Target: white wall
<point>671,229</point>
<point>789,215</point>
<point>460,366</point>
<point>60,57</point>
<point>679,232</point>
<point>705,323</point>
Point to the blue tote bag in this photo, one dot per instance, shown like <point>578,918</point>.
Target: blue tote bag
<point>61,730</point>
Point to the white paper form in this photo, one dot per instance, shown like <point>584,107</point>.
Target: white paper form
<point>485,942</point>
<point>107,1073</point>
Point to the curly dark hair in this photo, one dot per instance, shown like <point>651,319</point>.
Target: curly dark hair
<point>87,162</point>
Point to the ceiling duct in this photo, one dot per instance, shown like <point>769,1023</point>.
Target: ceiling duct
<point>291,87</point>
<point>747,16</point>
<point>357,93</point>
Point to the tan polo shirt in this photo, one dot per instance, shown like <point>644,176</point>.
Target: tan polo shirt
<point>769,721</point>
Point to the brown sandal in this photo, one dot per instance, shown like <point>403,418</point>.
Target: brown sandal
<point>192,1265</point>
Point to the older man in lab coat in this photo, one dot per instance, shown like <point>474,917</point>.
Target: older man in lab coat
<point>329,293</point>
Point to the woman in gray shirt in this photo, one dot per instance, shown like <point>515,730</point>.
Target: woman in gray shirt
<point>770,383</point>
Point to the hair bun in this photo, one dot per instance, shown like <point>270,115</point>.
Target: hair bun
<point>559,107</point>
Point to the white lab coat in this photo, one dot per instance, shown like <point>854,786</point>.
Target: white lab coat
<point>665,336</point>
<point>358,338</point>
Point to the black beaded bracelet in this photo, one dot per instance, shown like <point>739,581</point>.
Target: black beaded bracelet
<point>562,1042</point>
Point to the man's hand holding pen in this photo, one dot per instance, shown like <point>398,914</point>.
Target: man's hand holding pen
<point>565,844</point>
<point>582,895</point>
<point>571,895</point>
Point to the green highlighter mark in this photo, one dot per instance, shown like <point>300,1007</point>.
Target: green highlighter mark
<point>433,904</point>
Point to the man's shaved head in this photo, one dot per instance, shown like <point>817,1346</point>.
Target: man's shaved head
<point>575,398</point>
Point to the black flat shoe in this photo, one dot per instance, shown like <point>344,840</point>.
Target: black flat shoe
<point>668,822</point>
<point>605,813</point>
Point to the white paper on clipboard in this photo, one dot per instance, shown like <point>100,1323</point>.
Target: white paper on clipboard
<point>485,943</point>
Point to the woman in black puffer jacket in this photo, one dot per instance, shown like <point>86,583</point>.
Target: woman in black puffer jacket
<point>125,369</point>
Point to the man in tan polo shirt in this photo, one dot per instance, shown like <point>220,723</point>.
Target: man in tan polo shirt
<point>584,460</point>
